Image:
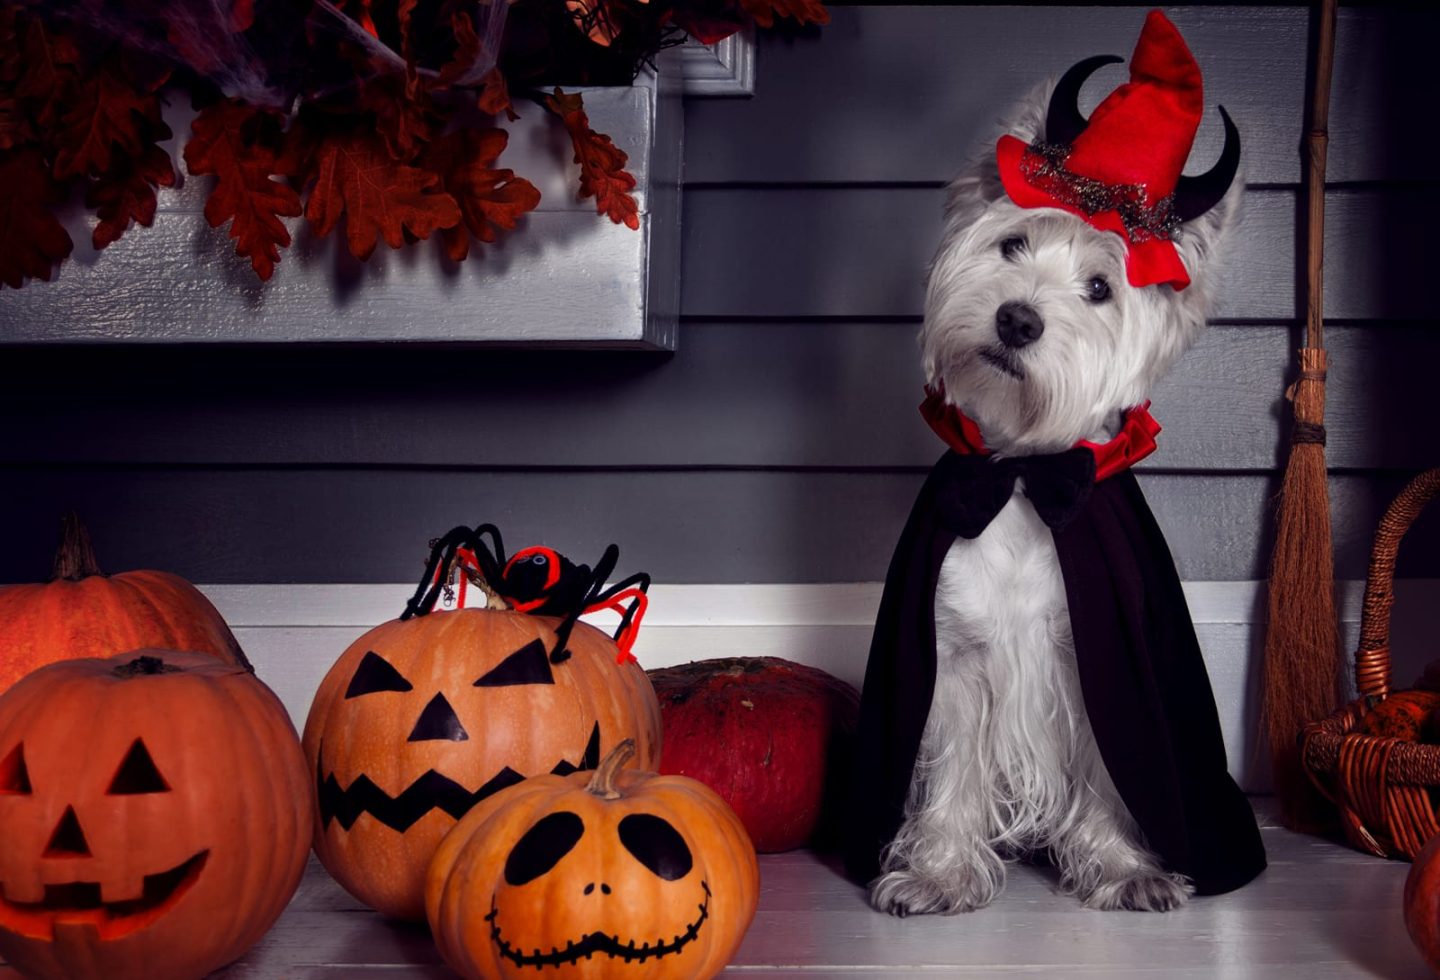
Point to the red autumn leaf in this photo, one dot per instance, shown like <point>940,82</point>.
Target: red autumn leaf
<point>764,12</point>
<point>239,145</point>
<point>15,128</point>
<point>490,199</point>
<point>602,163</point>
<point>47,70</point>
<point>495,95</point>
<point>127,194</point>
<point>405,115</point>
<point>109,119</point>
<point>32,241</point>
<point>377,195</point>
<point>468,48</point>
<point>242,15</point>
<point>707,28</point>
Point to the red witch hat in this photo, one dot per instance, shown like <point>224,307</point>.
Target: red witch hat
<point>1120,169</point>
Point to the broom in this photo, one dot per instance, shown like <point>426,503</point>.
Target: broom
<point>1302,644</point>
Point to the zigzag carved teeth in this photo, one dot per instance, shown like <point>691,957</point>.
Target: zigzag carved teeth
<point>430,791</point>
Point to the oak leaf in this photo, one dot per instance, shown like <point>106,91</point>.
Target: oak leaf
<point>495,95</point>
<point>239,146</point>
<point>47,70</point>
<point>127,194</point>
<point>405,116</point>
<point>490,199</point>
<point>109,119</point>
<point>355,177</point>
<point>15,127</point>
<point>602,163</point>
<point>764,12</point>
<point>32,241</point>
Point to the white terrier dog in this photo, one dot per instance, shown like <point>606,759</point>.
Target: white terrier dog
<point>1034,331</point>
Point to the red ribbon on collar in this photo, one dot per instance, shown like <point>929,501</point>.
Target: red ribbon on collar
<point>1135,440</point>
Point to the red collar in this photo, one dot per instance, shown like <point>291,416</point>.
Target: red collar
<point>1135,441</point>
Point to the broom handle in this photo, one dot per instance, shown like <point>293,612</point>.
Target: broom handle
<point>1317,141</point>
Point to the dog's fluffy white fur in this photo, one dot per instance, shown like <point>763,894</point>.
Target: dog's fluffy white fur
<point>1008,764</point>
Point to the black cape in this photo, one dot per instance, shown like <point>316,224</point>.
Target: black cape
<point>1141,673</point>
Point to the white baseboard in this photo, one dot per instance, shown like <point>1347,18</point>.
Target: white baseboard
<point>293,633</point>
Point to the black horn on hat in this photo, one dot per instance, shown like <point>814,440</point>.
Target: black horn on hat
<point>1196,195</point>
<point>1063,121</point>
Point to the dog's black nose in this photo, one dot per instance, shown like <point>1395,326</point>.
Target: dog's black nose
<point>1018,324</point>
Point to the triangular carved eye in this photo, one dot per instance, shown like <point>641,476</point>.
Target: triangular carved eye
<point>14,777</point>
<point>375,674</point>
<point>137,774</point>
<point>528,665</point>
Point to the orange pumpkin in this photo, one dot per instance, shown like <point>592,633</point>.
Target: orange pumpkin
<point>156,814</point>
<point>615,874</point>
<point>422,718</point>
<point>83,613</point>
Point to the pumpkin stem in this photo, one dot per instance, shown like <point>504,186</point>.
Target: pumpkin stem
<point>75,559</point>
<point>145,665</point>
<point>602,784</point>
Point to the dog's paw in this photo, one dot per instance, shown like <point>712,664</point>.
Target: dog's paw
<point>903,893</point>
<point>1143,891</point>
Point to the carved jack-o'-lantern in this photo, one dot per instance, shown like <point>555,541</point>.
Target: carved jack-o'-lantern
<point>422,718</point>
<point>155,816</point>
<point>611,874</point>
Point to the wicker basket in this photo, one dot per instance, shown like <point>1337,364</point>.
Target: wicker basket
<point>1381,785</point>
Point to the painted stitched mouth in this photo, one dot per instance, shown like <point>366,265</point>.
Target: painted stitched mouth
<point>1003,361</point>
<point>431,791</point>
<point>79,903</point>
<point>597,942</point>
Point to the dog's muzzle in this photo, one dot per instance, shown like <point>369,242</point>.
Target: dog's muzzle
<point>1018,324</point>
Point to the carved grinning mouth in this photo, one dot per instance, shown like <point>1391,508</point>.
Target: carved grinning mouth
<point>597,942</point>
<point>431,791</point>
<point>1004,362</point>
<point>79,903</point>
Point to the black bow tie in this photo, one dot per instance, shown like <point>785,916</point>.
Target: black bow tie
<point>971,490</point>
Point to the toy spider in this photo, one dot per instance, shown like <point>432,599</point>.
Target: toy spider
<point>535,580</point>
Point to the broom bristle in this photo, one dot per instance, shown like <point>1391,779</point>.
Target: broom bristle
<point>1302,644</point>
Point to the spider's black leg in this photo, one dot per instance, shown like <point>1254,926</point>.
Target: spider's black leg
<point>494,532</point>
<point>584,600</point>
<point>558,653</point>
<point>603,568</point>
<point>441,555</point>
<point>641,581</point>
<point>492,565</point>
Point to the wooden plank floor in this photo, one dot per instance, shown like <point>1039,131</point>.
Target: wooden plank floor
<point>1320,911</point>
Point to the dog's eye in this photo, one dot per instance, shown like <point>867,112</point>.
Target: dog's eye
<point>1097,289</point>
<point>1010,246</point>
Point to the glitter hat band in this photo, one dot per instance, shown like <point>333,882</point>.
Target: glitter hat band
<point>1120,169</point>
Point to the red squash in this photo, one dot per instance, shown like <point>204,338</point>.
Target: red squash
<point>1402,715</point>
<point>81,612</point>
<point>1422,903</point>
<point>765,734</point>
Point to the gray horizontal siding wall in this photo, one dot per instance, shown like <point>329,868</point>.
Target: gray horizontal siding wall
<point>781,442</point>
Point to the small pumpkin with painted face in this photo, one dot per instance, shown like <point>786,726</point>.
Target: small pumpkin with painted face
<point>422,718</point>
<point>613,874</point>
<point>156,816</point>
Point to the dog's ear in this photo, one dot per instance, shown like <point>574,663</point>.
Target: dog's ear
<point>978,184</point>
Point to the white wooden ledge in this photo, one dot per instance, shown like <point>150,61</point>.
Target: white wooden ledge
<point>1320,912</point>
